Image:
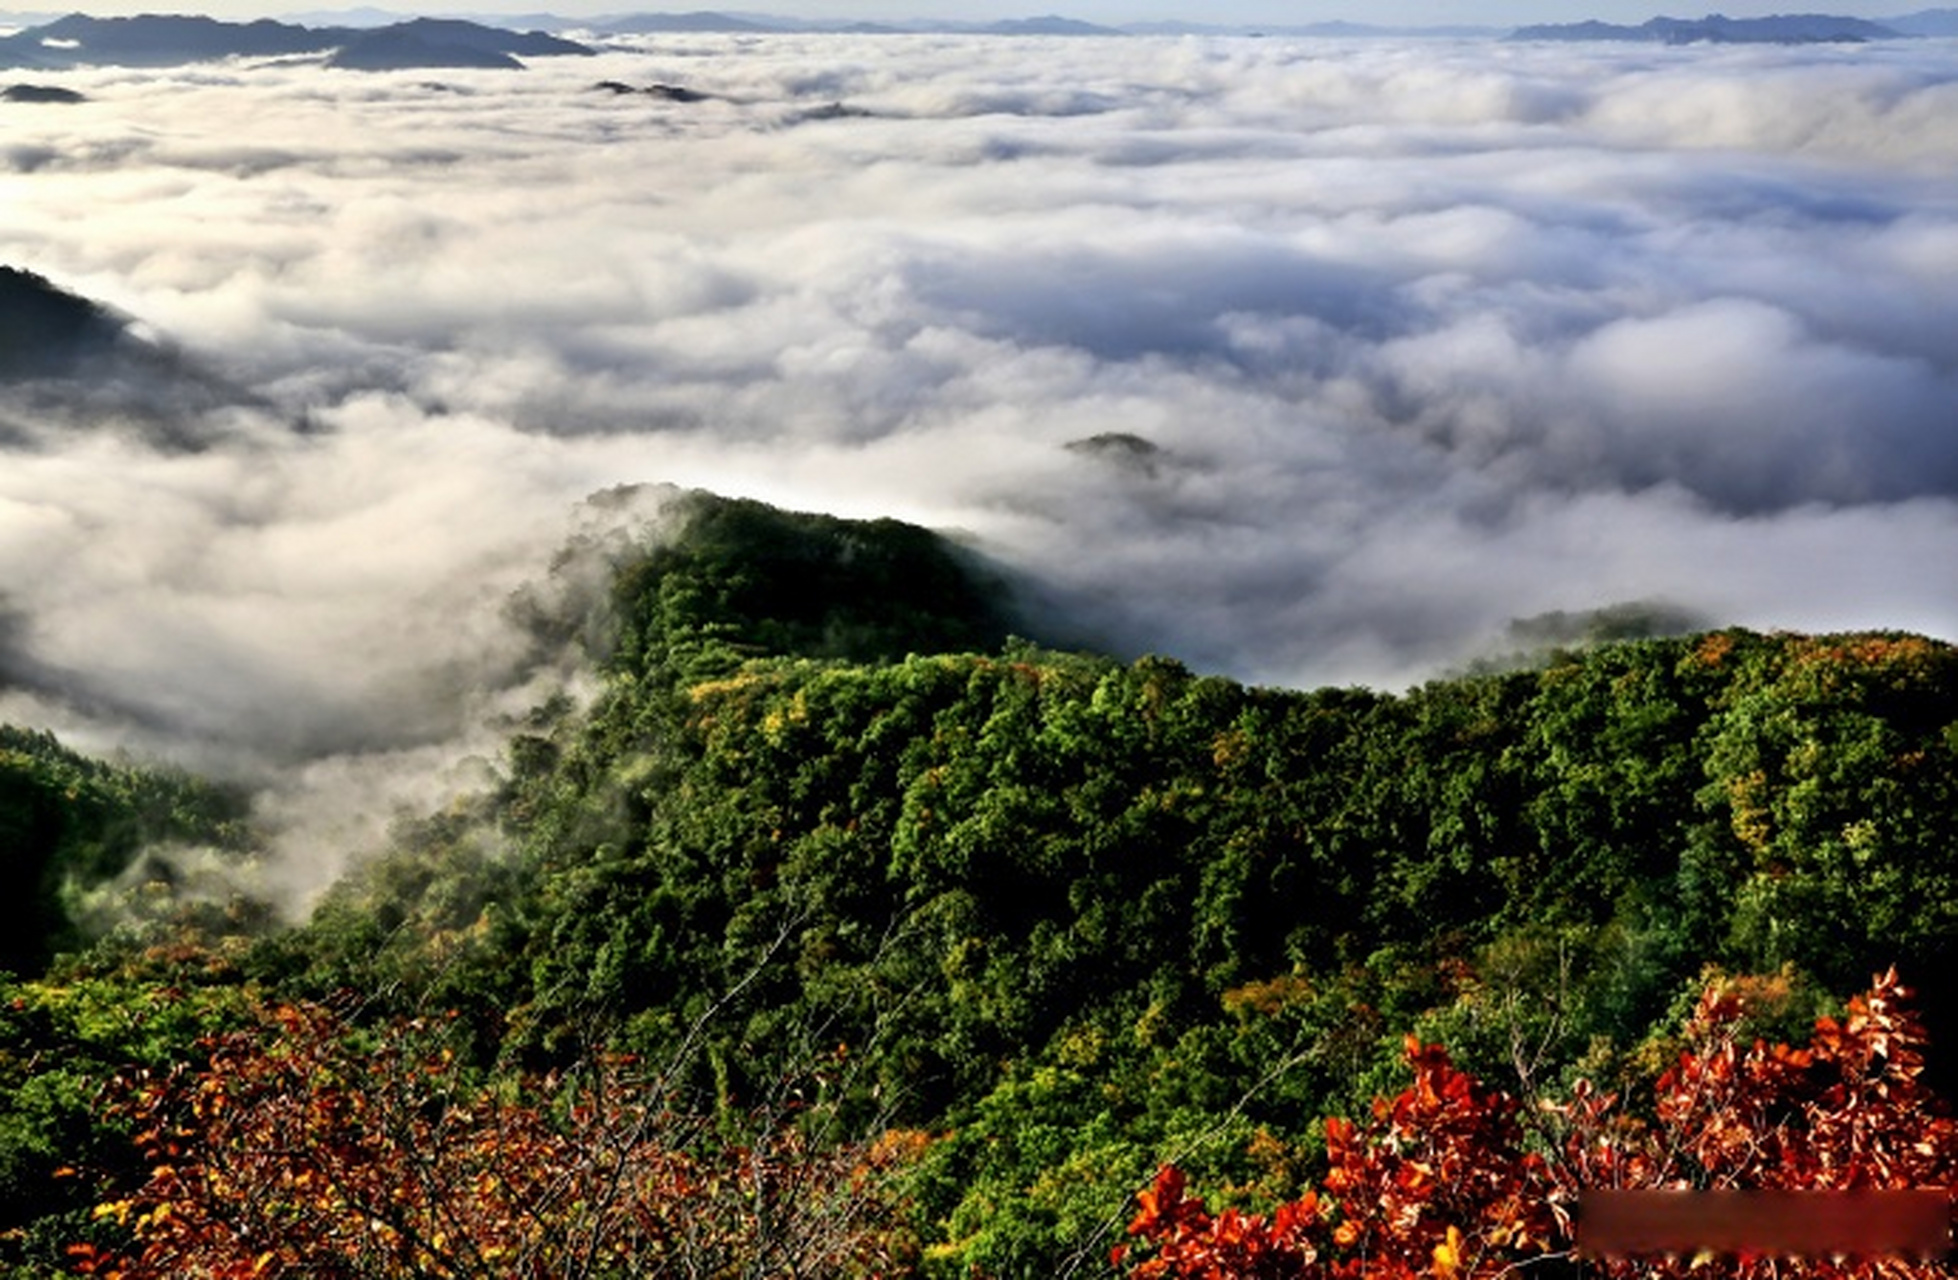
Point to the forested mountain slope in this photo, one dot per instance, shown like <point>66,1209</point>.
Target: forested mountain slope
<point>1071,911</point>
<point>827,832</point>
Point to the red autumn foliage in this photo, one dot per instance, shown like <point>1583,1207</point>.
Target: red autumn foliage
<point>1444,1183</point>
<point>298,1152</point>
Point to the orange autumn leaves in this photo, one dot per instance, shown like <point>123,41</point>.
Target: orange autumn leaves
<point>305,1149</point>
<point>1437,1183</point>
<point>1445,1182</point>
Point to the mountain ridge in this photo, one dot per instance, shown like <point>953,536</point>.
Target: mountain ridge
<point>1802,28</point>
<point>159,40</point>
<point>69,363</point>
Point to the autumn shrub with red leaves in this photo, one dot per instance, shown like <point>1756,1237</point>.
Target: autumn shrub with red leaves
<point>1444,1182</point>
<point>304,1149</point>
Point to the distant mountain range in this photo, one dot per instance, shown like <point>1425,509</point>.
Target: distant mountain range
<point>1790,29</point>
<point>155,40</point>
<point>707,21</point>
<point>377,39</point>
<point>1799,28</point>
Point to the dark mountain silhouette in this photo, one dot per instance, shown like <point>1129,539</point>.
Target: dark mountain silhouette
<point>171,40</point>
<point>47,331</point>
<point>40,93</point>
<point>1796,28</point>
<point>664,92</point>
<point>1804,28</point>
<point>68,363</point>
<point>835,111</point>
<point>1125,450</point>
<point>393,50</point>
<point>447,42</point>
<point>161,40</point>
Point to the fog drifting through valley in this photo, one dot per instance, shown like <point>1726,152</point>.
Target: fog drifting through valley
<point>1421,338</point>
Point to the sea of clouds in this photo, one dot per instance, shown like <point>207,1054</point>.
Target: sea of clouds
<point>1422,338</point>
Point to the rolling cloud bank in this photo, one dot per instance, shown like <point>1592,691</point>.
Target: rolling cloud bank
<point>1305,362</point>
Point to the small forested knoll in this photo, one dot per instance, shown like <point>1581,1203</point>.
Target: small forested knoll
<point>829,844</point>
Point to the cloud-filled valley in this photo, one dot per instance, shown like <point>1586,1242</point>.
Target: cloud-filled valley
<point>1428,337</point>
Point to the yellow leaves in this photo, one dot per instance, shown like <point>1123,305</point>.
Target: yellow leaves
<point>1448,1256</point>
<point>707,690</point>
<point>149,1221</point>
<point>1230,748</point>
<point>896,1148</point>
<point>1268,999</point>
<point>1752,823</point>
<point>117,1209</point>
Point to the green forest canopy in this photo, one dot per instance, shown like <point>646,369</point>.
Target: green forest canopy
<point>829,829</point>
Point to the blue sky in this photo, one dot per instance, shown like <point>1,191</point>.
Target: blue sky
<point>1290,11</point>
<point>1263,12</point>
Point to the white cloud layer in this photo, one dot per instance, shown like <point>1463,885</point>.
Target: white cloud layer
<point>1431,336</point>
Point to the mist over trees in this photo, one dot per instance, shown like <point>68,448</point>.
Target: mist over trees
<point>831,854</point>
